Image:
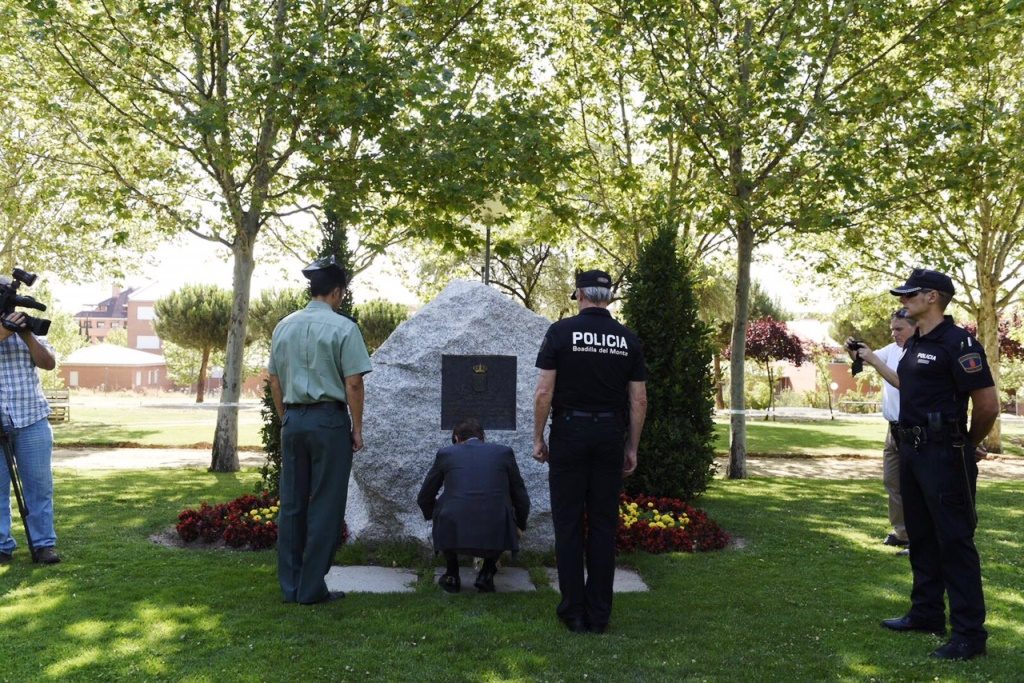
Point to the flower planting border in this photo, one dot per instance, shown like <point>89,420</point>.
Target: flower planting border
<point>662,525</point>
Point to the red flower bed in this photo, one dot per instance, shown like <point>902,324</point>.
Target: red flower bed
<point>245,521</point>
<point>661,525</point>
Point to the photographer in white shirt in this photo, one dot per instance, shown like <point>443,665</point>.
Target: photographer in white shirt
<point>885,361</point>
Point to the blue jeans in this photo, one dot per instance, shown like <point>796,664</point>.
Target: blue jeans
<point>33,446</point>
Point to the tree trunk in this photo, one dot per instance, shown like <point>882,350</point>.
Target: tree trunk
<point>225,438</point>
<point>988,335</point>
<point>201,385</point>
<point>771,394</point>
<point>737,401</point>
<point>744,255</point>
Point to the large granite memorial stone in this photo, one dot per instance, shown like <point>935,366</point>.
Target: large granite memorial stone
<point>471,350</point>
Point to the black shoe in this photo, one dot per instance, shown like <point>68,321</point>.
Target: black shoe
<point>577,624</point>
<point>908,623</point>
<point>450,584</point>
<point>893,539</point>
<point>903,553</point>
<point>47,556</point>
<point>484,581</point>
<point>959,650</point>
<point>332,596</point>
<point>5,558</point>
<point>599,628</point>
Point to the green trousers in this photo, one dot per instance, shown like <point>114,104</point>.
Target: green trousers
<point>316,460</point>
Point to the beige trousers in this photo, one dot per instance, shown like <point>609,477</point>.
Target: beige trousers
<point>891,481</point>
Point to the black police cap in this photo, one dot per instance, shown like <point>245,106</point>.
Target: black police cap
<point>922,278</point>
<point>591,278</point>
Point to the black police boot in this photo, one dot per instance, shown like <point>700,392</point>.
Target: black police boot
<point>959,650</point>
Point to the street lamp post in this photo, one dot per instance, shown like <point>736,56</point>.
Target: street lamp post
<point>491,211</point>
<point>487,256</point>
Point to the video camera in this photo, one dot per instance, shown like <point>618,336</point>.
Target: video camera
<point>858,362</point>
<point>10,299</point>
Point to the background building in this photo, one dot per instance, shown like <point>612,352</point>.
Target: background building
<point>107,367</point>
<point>110,314</point>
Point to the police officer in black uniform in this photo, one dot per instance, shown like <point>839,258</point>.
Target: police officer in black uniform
<point>942,368</point>
<point>592,381</point>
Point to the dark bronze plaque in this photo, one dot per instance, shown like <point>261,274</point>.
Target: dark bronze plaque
<point>482,387</point>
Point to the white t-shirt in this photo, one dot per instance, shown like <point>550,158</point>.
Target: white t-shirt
<point>890,355</point>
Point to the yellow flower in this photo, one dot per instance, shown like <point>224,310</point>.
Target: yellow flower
<point>256,517</point>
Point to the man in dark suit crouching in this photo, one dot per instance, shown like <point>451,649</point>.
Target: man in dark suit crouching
<point>483,508</point>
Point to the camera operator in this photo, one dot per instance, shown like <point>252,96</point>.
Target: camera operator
<point>24,411</point>
<point>886,360</point>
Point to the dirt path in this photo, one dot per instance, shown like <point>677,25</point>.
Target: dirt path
<point>994,469</point>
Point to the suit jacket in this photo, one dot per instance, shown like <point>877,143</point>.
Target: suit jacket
<point>484,498</point>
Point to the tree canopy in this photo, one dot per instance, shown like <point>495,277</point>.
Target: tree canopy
<point>227,118</point>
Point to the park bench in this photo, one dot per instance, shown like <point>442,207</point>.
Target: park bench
<point>851,406</point>
<point>60,404</point>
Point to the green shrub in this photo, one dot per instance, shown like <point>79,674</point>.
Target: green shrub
<point>270,434</point>
<point>378,319</point>
<point>676,455</point>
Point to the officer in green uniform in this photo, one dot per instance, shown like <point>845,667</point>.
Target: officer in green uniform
<point>317,363</point>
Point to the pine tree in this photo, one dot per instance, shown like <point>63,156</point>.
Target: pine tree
<point>676,456</point>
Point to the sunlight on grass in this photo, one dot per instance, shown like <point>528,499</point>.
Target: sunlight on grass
<point>31,600</point>
<point>81,659</point>
<point>88,629</point>
<point>799,602</point>
<point>1014,625</point>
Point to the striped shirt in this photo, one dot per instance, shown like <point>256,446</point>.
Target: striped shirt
<point>22,401</point>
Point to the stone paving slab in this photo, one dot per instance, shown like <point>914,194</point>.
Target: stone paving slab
<point>626,580</point>
<point>371,579</point>
<point>507,580</point>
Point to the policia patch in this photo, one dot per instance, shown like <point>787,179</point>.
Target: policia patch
<point>971,362</point>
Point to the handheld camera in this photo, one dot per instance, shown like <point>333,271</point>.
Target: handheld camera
<point>10,299</point>
<point>858,362</point>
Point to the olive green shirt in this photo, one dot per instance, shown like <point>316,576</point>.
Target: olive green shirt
<point>313,351</point>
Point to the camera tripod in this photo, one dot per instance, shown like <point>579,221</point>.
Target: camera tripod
<point>12,467</point>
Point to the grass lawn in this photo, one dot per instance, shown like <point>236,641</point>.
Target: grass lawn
<point>178,424</point>
<point>801,601</point>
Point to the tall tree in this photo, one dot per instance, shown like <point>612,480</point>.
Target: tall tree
<point>769,96</point>
<point>631,173</point>
<point>948,163</point>
<point>196,317</point>
<point>58,213</point>
<point>412,112</point>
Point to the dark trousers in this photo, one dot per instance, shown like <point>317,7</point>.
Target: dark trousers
<point>316,459</point>
<point>938,484</point>
<point>585,477</point>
